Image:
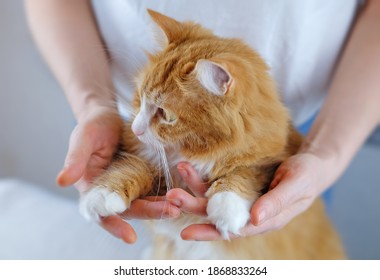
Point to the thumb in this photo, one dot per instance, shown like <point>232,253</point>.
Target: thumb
<point>78,155</point>
<point>274,201</point>
<point>119,228</point>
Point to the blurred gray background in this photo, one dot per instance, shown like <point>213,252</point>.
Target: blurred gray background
<point>35,124</point>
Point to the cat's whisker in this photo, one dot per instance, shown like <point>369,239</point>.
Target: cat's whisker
<point>159,172</point>
<point>162,164</point>
<point>168,178</point>
<point>150,140</point>
<point>160,149</point>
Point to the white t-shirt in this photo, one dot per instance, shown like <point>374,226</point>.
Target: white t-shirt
<point>299,39</point>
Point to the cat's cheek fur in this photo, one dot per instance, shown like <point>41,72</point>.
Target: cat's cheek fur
<point>229,212</point>
<point>101,202</point>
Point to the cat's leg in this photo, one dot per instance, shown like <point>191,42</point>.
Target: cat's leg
<point>127,178</point>
<point>231,198</point>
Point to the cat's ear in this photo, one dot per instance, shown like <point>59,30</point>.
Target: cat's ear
<point>171,28</point>
<point>213,76</point>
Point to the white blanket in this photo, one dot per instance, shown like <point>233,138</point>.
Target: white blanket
<point>36,224</point>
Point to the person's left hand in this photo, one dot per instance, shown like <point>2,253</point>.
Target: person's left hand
<point>292,191</point>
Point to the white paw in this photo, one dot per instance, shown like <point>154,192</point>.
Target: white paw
<point>100,202</point>
<point>228,212</point>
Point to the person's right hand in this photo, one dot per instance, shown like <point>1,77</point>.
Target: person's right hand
<point>92,144</point>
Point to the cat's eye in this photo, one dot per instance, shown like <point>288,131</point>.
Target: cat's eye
<point>167,115</point>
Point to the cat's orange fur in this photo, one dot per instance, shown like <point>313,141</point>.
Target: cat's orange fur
<point>245,132</point>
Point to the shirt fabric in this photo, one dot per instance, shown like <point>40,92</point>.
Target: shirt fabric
<point>300,40</point>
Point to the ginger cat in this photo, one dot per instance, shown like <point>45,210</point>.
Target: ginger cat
<point>209,101</point>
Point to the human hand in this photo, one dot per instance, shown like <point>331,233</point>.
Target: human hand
<point>92,145</point>
<point>297,182</point>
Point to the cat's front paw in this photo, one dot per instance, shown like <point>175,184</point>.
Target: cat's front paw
<point>228,212</point>
<point>101,202</point>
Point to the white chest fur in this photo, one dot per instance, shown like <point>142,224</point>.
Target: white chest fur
<point>168,159</point>
<point>171,229</point>
<point>227,210</point>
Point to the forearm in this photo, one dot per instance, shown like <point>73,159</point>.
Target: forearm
<point>352,108</point>
<point>67,35</point>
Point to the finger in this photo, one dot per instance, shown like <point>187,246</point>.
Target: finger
<point>276,180</point>
<point>155,198</point>
<point>279,221</point>
<point>201,232</point>
<point>192,179</point>
<point>70,174</point>
<point>266,226</point>
<point>144,209</point>
<point>275,201</point>
<point>208,232</point>
<point>186,202</point>
<point>78,155</point>
<point>119,228</point>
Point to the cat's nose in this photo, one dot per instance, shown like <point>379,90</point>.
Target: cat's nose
<point>137,131</point>
<point>139,124</point>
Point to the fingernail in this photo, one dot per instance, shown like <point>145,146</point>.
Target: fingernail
<point>186,237</point>
<point>129,239</point>
<point>61,180</point>
<point>171,213</point>
<point>262,216</point>
<point>175,202</point>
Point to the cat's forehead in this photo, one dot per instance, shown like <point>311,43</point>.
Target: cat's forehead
<point>169,67</point>
<point>162,77</point>
<point>168,72</point>
<point>157,87</point>
<point>154,96</point>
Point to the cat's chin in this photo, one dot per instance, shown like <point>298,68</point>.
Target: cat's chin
<point>156,142</point>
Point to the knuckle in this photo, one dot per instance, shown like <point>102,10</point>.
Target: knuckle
<point>277,204</point>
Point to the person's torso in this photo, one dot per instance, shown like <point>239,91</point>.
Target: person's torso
<point>300,40</point>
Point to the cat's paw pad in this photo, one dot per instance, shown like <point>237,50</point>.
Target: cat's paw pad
<point>228,212</point>
<point>101,202</point>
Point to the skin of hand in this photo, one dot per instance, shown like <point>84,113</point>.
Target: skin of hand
<point>92,145</point>
<point>291,192</point>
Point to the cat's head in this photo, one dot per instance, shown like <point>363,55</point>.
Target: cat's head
<point>204,93</point>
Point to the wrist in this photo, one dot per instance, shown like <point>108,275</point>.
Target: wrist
<point>88,103</point>
<point>99,111</point>
<point>101,122</point>
<point>330,159</point>
<point>324,152</point>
